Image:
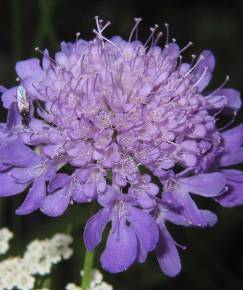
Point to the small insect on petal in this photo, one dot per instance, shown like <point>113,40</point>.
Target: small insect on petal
<point>23,105</point>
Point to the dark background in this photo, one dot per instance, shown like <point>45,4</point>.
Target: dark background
<point>214,257</point>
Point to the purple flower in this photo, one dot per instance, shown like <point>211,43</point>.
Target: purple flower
<point>138,133</point>
<point>128,240</point>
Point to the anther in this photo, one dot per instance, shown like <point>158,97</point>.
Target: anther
<point>201,57</point>
<point>193,56</point>
<point>180,59</point>
<point>221,86</point>
<point>159,35</point>
<point>102,37</point>
<point>108,23</point>
<point>153,30</point>
<point>188,45</point>
<point>167,33</point>
<point>230,122</point>
<point>45,55</point>
<point>135,28</point>
<point>201,77</point>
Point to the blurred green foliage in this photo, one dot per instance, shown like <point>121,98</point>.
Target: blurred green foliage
<point>214,259</point>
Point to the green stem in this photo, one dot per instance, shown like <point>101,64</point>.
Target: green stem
<point>88,265</point>
<point>88,262</point>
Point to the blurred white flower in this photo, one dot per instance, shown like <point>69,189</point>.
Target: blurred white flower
<point>96,282</point>
<point>38,259</point>
<point>72,286</point>
<point>42,254</point>
<point>96,278</point>
<point>14,274</point>
<point>5,236</point>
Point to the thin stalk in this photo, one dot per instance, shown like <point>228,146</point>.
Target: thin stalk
<point>88,262</point>
<point>87,269</point>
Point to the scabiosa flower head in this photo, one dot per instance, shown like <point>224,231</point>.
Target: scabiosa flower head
<point>122,114</point>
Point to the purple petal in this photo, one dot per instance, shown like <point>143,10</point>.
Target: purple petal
<point>13,117</point>
<point>175,216</point>
<point>34,197</point>
<point>78,193</point>
<point>233,100</point>
<point>145,201</point>
<point>22,175</point>
<point>95,227</point>
<point>204,184</point>
<point>189,209</point>
<point>9,186</point>
<point>232,157</point>
<point>89,189</point>
<point>233,138</point>
<point>210,218</point>
<point>28,68</point>
<point>234,195</point>
<point>8,97</point>
<point>14,152</point>
<point>60,180</point>
<point>46,60</point>
<point>173,211</point>
<point>121,249</point>
<point>167,254</point>
<point>143,223</point>
<point>204,69</point>
<point>56,203</point>
<point>208,61</point>
<point>109,197</point>
<point>2,89</point>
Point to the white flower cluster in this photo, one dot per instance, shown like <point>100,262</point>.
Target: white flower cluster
<point>95,284</point>
<point>40,255</point>
<point>5,237</point>
<point>15,274</point>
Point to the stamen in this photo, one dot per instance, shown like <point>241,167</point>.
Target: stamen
<point>167,33</point>
<point>180,246</point>
<point>77,36</point>
<point>135,58</point>
<point>186,47</point>
<point>45,55</point>
<point>230,122</point>
<point>108,23</point>
<point>159,35</point>
<point>76,43</point>
<point>221,86</point>
<point>193,59</point>
<point>201,77</point>
<point>87,89</point>
<point>218,112</point>
<point>98,22</point>
<point>180,59</point>
<point>81,59</point>
<point>95,81</point>
<point>135,28</point>
<point>102,37</point>
<point>153,30</point>
<point>201,57</point>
